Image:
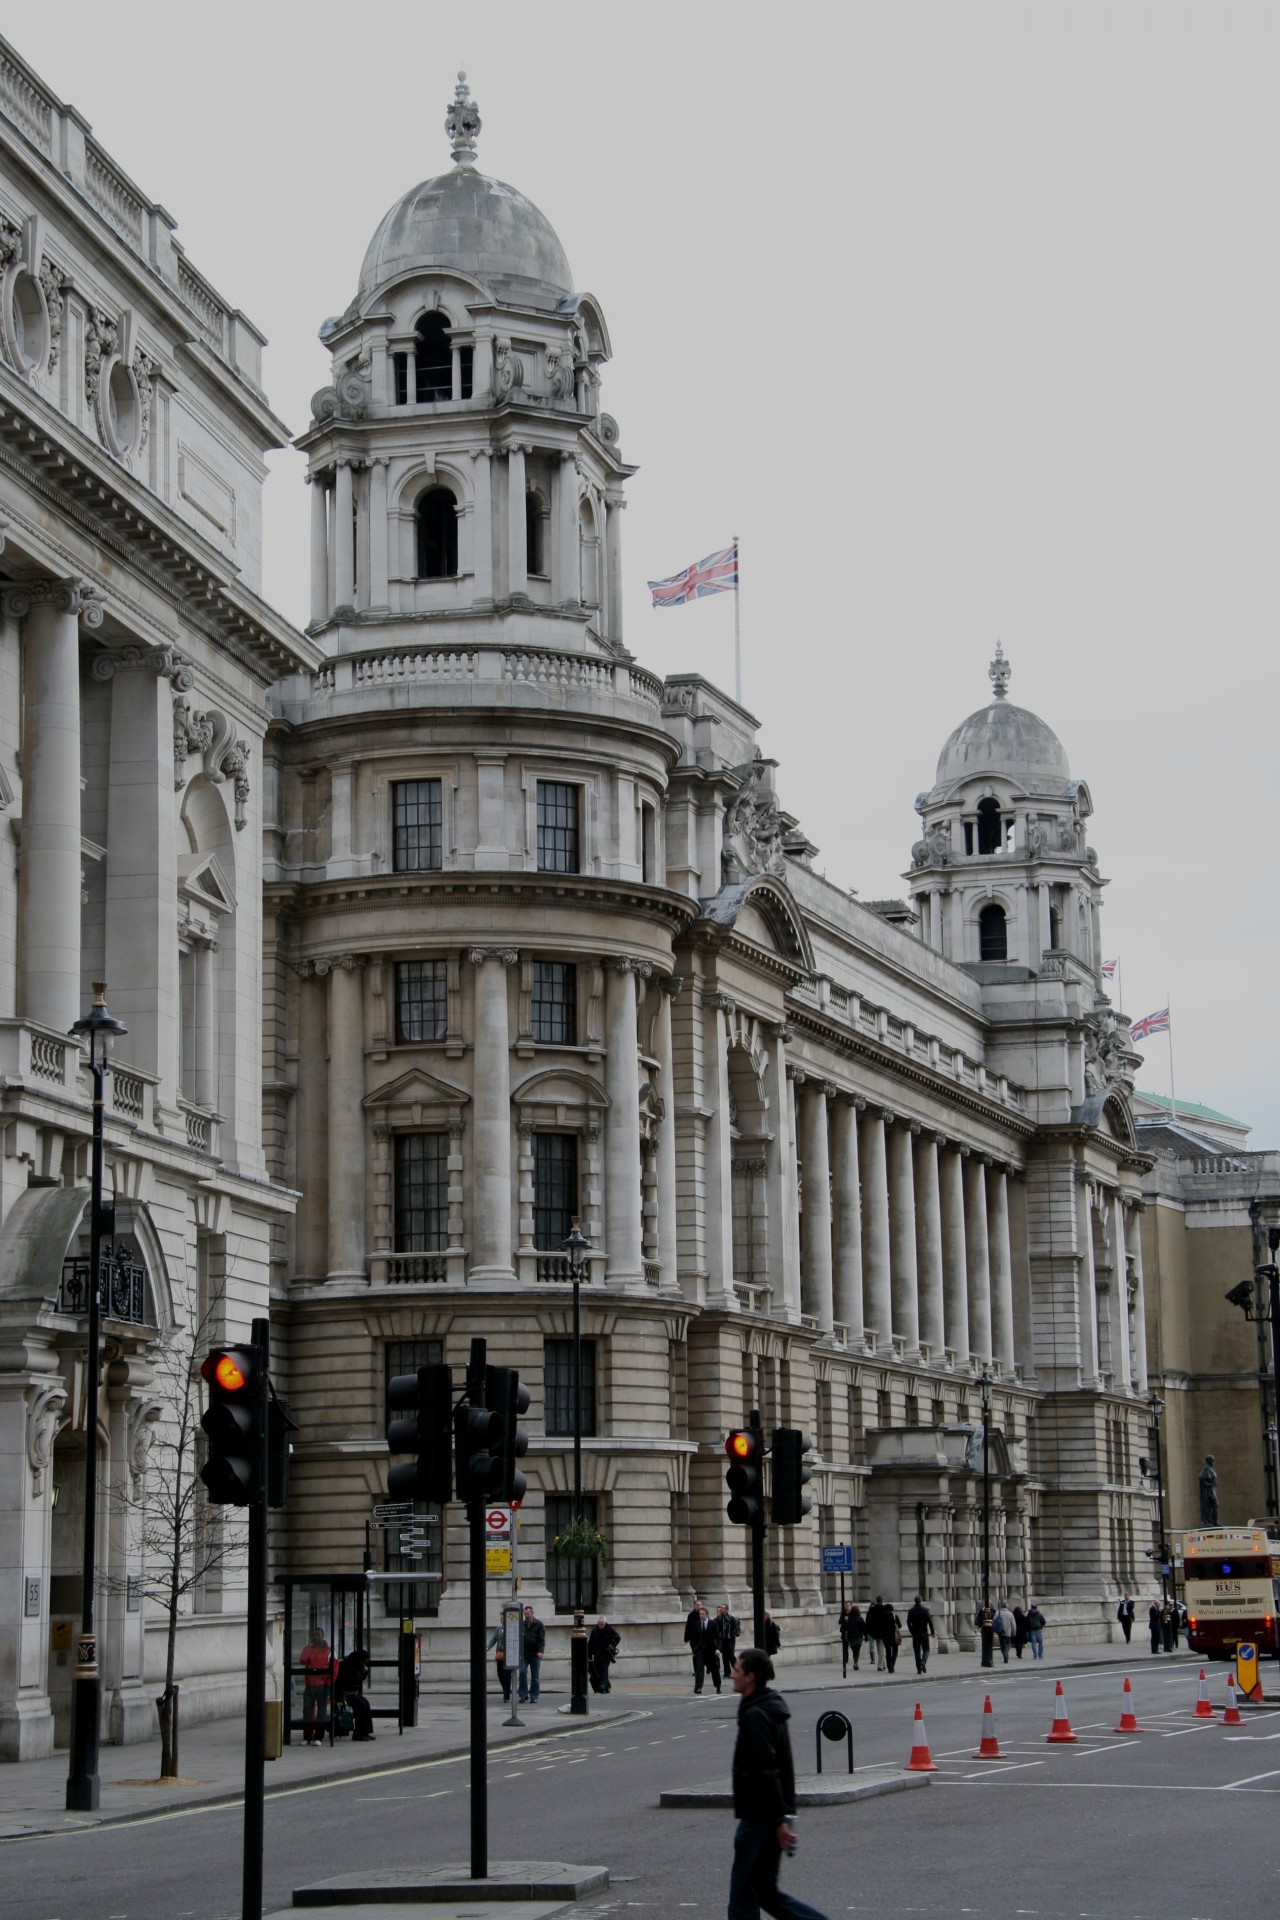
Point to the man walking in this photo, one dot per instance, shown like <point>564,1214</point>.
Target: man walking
<point>728,1627</point>
<point>695,1635</point>
<point>764,1792</point>
<point>875,1629</point>
<point>920,1627</point>
<point>1006,1627</point>
<point>1124,1614</point>
<point>602,1651</point>
<point>533,1644</point>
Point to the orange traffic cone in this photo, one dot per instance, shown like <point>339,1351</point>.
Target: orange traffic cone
<point>1233,1716</point>
<point>989,1747</point>
<point>921,1760</point>
<point>1203,1709</point>
<point>1128,1723</point>
<point>1060,1733</point>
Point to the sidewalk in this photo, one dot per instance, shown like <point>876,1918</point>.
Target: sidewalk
<point>32,1794</point>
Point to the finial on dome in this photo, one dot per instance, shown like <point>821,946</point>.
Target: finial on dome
<point>998,673</point>
<point>462,124</point>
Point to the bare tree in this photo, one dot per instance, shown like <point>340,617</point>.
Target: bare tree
<point>182,1543</point>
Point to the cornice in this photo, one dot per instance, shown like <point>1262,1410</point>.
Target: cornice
<point>463,889</point>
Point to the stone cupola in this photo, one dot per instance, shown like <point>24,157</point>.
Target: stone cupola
<point>460,464</point>
<point>1003,877</point>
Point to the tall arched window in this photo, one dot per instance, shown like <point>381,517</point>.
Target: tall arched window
<point>433,358</point>
<point>535,534</point>
<point>437,516</point>
<point>990,827</point>
<point>993,934</point>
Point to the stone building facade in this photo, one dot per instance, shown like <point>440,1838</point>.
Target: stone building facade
<point>135,659</point>
<point>543,943</point>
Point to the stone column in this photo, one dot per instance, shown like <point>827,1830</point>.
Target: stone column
<point>33,1405</point>
<point>1002,1341</point>
<point>311,1125</point>
<point>1086,1287</point>
<point>343,537</point>
<point>846,1219</point>
<point>622,1206</point>
<point>978,1256</point>
<point>1133,1243</point>
<point>360,498</point>
<point>716,1008</point>
<point>205,1091</point>
<point>929,1267</point>
<point>955,1290</point>
<point>1120,1275</point>
<point>613,566</point>
<point>517,532</point>
<point>49,913</point>
<point>780,1193</point>
<point>491,1182</point>
<point>567,588</point>
<point>815,1163</point>
<point>902,1239</point>
<point>668,1241</point>
<point>379,531</point>
<point>347,1182</point>
<point>482,539</point>
<point>319,547</point>
<point>140,946</point>
<point>877,1297</point>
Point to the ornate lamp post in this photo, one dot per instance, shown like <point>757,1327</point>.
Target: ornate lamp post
<point>82,1781</point>
<point>577,1246</point>
<point>1157,1408</point>
<point>1248,1295</point>
<point>985,1385</point>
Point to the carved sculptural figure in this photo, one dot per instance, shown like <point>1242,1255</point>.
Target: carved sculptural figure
<point>1208,1493</point>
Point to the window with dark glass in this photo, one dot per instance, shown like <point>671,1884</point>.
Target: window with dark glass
<point>422,1192</point>
<point>400,376</point>
<point>557,827</point>
<point>990,827</point>
<point>417,826</point>
<point>573,1583</point>
<point>433,359</point>
<point>555,1188</point>
<point>536,560</point>
<point>421,1000</point>
<point>993,934</point>
<point>557,1393</point>
<point>555,1003</point>
<point>437,519</point>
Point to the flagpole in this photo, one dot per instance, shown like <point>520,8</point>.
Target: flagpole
<point>737,636</point>
<point>1119,985</point>
<point>1173,1098</point>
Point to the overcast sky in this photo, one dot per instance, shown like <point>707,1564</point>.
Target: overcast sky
<point>962,316</point>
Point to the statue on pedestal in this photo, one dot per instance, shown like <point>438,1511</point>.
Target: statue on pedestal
<point>1208,1493</point>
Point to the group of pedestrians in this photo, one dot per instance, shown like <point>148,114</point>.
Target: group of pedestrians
<point>712,1642</point>
<point>1010,1628</point>
<point>520,1660</point>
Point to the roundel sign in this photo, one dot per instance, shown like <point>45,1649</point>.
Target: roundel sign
<point>497,1523</point>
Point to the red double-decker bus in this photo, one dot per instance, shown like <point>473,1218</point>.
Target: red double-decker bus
<point>1231,1589</point>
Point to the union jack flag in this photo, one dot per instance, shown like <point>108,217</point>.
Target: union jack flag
<point>1150,1023</point>
<point>1108,969</point>
<point>718,573</point>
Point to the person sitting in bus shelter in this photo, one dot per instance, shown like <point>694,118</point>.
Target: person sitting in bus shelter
<point>348,1690</point>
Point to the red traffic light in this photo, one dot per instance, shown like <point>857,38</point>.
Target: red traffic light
<point>744,1444</point>
<point>228,1368</point>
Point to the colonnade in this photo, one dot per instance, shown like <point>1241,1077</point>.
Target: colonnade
<point>906,1244</point>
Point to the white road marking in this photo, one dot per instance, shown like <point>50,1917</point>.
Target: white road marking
<point>1230,1784</point>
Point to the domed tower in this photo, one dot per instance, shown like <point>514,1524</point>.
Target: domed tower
<point>1003,877</point>
<point>459,462</point>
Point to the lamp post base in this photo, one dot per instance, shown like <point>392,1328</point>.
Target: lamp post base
<point>578,1665</point>
<point>83,1786</point>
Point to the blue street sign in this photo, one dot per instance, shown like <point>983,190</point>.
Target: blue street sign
<point>837,1559</point>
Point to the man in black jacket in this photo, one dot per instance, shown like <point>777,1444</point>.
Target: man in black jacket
<point>920,1627</point>
<point>533,1644</point>
<point>764,1795</point>
<point>602,1651</point>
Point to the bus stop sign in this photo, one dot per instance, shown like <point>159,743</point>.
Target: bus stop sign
<point>1247,1670</point>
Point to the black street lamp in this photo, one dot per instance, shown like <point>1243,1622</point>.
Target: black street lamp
<point>1157,1408</point>
<point>82,1781</point>
<point>985,1385</point>
<point>576,1246</point>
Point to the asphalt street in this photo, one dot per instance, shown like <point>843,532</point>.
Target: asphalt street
<point>1178,1822</point>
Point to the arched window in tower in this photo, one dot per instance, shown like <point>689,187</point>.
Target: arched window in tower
<point>437,517</point>
<point>990,827</point>
<point>535,525</point>
<point>433,359</point>
<point>993,934</point>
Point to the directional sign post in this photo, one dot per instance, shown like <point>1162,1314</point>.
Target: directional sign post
<point>837,1559</point>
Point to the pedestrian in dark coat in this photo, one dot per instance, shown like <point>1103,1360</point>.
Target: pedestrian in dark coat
<point>1019,1630</point>
<point>728,1627</point>
<point>602,1650</point>
<point>695,1628</point>
<point>533,1644</point>
<point>711,1648</point>
<point>1155,1627</point>
<point>1124,1614</point>
<point>920,1627</point>
<point>876,1628</point>
<point>853,1630</point>
<point>764,1793</point>
<point>772,1635</point>
<point>891,1636</point>
<point>348,1691</point>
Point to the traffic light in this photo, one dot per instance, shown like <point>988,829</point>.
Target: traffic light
<point>476,1432</point>
<point>507,1399</point>
<point>424,1403</point>
<point>745,1476</point>
<point>279,1427</point>
<point>234,1423</point>
<point>790,1473</point>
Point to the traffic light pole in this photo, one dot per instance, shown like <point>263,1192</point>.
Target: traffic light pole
<point>479,1730</point>
<point>255,1712</point>
<point>757,1554</point>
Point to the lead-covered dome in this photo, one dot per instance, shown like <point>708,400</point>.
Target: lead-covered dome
<point>1002,738</point>
<point>464,220</point>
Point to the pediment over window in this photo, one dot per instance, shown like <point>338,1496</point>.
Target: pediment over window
<point>416,1097</point>
<point>762,910</point>
<point>558,1095</point>
<point>202,878</point>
